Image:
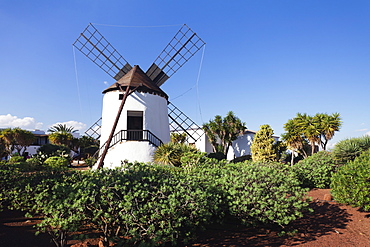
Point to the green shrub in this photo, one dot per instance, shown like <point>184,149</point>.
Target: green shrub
<point>16,159</point>
<point>255,192</point>
<point>351,183</point>
<point>316,171</point>
<point>9,178</point>
<point>90,162</point>
<point>348,149</point>
<point>218,156</point>
<point>154,205</point>
<point>34,161</point>
<point>242,158</point>
<point>52,149</point>
<point>57,163</point>
<point>53,196</point>
<point>192,159</point>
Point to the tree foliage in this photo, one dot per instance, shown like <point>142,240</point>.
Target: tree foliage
<point>263,148</point>
<point>88,146</point>
<point>222,132</point>
<point>178,137</point>
<point>23,139</point>
<point>3,148</point>
<point>62,128</point>
<point>315,130</point>
<point>16,139</point>
<point>61,138</point>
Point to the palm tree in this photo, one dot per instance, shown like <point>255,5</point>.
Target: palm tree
<point>61,138</point>
<point>293,139</point>
<point>310,127</point>
<point>222,132</point>
<point>62,128</point>
<point>329,124</point>
<point>61,134</point>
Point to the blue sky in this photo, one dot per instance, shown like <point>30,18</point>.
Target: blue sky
<point>264,60</point>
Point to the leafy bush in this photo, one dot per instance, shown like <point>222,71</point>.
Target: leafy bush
<point>149,204</point>
<point>351,184</point>
<point>316,171</point>
<point>348,149</point>
<point>217,156</point>
<point>16,159</point>
<point>51,149</point>
<point>255,192</point>
<point>56,162</point>
<point>52,195</point>
<point>154,205</point>
<point>34,161</point>
<point>9,177</point>
<point>242,158</point>
<point>90,161</point>
<point>191,159</point>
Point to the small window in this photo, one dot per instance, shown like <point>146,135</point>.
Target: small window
<point>120,97</point>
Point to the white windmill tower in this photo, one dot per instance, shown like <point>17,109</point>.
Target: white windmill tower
<point>136,112</point>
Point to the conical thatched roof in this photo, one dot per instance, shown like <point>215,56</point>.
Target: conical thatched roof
<point>137,78</point>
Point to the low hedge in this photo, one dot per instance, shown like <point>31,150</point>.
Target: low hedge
<point>155,205</point>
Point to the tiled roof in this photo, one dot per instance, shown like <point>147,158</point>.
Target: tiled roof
<point>137,78</point>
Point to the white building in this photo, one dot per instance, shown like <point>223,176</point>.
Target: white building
<point>240,147</point>
<point>142,124</point>
<point>41,139</point>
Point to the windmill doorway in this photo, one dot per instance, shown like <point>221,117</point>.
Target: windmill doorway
<point>135,123</point>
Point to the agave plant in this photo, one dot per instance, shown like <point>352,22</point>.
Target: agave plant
<point>171,153</point>
<point>348,149</point>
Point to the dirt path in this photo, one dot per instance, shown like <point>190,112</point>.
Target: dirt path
<point>331,224</point>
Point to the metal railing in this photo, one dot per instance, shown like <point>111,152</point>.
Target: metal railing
<point>132,135</point>
<point>135,135</point>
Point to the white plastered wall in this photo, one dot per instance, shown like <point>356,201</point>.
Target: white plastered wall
<point>155,117</point>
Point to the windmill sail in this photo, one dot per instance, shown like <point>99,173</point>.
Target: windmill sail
<point>94,130</point>
<point>182,123</point>
<point>180,49</point>
<point>94,46</point>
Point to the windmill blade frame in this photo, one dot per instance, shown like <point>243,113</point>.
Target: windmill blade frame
<point>94,46</point>
<point>181,48</point>
<point>94,130</point>
<point>182,123</point>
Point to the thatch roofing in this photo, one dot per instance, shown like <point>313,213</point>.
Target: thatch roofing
<point>137,78</point>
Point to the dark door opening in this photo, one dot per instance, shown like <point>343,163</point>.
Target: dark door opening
<point>135,125</point>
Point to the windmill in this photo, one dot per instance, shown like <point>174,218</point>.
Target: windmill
<point>142,103</point>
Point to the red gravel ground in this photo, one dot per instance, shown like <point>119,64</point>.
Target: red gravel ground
<point>331,224</point>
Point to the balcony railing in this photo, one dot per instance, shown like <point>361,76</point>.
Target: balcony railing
<point>132,135</point>
<point>136,135</point>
